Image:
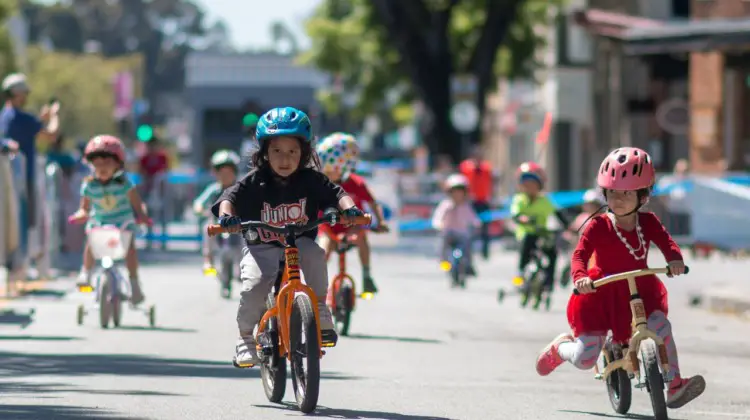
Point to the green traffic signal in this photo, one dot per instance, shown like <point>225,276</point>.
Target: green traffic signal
<point>250,120</point>
<point>144,132</point>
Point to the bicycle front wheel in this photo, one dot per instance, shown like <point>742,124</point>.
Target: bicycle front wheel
<point>305,350</point>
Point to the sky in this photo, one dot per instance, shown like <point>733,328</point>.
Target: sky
<point>249,20</point>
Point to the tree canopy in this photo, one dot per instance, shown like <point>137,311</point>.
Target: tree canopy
<point>163,31</point>
<point>83,85</point>
<point>386,53</point>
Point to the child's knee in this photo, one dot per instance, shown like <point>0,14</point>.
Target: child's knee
<point>659,323</point>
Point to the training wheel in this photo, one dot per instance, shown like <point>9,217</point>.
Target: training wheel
<point>152,316</point>
<point>80,312</point>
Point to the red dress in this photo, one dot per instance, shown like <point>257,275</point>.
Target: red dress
<point>609,308</point>
<point>356,188</point>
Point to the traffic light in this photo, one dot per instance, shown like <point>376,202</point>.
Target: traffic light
<point>250,120</point>
<point>144,132</point>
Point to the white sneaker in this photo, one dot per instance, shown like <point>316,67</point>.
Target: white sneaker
<point>326,319</point>
<point>246,353</point>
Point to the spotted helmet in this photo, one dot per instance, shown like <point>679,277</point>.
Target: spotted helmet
<point>338,152</point>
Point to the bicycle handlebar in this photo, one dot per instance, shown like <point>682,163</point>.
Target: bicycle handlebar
<point>366,219</point>
<point>635,273</point>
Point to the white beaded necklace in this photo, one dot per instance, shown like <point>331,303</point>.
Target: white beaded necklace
<point>639,233</point>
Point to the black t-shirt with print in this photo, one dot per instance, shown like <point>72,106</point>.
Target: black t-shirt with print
<point>298,199</point>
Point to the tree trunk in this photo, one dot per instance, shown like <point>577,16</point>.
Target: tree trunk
<point>421,38</point>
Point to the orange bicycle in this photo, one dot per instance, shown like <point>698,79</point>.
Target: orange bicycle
<point>342,292</point>
<point>621,362</point>
<point>290,327</point>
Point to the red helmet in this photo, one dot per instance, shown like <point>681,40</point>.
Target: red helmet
<point>626,169</point>
<point>105,145</point>
<point>531,170</point>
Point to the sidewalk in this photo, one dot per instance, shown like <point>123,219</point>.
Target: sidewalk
<point>727,285</point>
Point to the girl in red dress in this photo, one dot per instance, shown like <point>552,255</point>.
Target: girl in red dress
<point>612,243</point>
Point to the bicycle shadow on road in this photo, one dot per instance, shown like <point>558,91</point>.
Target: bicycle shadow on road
<point>614,416</point>
<point>38,338</point>
<point>341,413</point>
<point>15,365</point>
<point>392,338</point>
<point>14,317</point>
<point>158,329</point>
<point>57,412</point>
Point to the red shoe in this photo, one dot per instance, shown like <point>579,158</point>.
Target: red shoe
<point>550,359</point>
<point>683,390</point>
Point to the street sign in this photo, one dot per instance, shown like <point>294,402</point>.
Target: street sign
<point>465,116</point>
<point>464,87</point>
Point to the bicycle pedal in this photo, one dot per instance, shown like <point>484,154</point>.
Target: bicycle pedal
<point>640,385</point>
<point>239,366</point>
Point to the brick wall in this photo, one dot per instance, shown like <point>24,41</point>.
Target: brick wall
<point>706,91</point>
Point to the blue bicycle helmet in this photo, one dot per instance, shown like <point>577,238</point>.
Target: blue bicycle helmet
<point>286,121</point>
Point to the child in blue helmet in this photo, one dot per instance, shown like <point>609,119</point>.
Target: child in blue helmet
<point>283,187</point>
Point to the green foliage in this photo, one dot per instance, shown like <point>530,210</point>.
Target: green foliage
<point>82,83</point>
<point>350,42</point>
<point>7,57</point>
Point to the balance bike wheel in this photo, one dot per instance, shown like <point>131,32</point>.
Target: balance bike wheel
<point>618,388</point>
<point>654,380</point>
<point>344,308</point>
<point>305,355</point>
<point>273,370</point>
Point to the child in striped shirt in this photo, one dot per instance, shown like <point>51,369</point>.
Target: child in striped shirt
<point>108,197</point>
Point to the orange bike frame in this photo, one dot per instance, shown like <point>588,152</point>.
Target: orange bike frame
<point>291,284</point>
<point>341,276</point>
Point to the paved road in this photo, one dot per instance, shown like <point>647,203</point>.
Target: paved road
<point>419,351</point>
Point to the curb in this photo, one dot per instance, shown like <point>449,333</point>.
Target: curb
<point>724,304</point>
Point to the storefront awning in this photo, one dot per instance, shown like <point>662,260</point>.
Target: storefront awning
<point>688,36</point>
<point>612,24</point>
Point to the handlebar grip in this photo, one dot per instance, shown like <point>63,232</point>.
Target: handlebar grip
<point>214,230</point>
<point>363,220</point>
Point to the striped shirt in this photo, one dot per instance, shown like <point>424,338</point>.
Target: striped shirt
<point>110,204</point>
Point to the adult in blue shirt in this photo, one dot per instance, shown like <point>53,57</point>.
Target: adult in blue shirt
<point>24,128</point>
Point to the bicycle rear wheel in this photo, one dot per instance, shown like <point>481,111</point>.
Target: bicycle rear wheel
<point>305,349</point>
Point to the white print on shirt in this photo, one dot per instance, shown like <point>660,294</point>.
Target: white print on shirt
<point>280,216</point>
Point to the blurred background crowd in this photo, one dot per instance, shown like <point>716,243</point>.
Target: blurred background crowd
<point>425,85</point>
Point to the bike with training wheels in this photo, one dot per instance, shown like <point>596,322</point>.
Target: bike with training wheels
<point>290,328</point>
<point>535,274</point>
<point>229,254</point>
<point>620,361</point>
<point>457,265</point>
<point>109,246</point>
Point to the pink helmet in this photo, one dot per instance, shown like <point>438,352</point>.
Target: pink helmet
<point>626,169</point>
<point>105,144</point>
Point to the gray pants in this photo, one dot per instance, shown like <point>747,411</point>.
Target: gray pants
<point>259,268</point>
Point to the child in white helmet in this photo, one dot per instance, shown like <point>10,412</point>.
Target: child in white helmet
<point>225,166</point>
<point>456,219</point>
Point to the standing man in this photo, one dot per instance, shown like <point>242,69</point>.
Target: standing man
<point>23,130</point>
<point>479,174</point>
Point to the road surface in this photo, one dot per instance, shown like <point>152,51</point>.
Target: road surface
<point>419,351</point>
